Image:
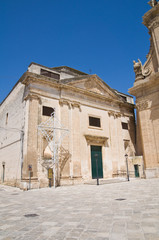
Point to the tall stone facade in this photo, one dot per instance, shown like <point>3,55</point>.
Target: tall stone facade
<point>146,90</point>
<point>100,122</point>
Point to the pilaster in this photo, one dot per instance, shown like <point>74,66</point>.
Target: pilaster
<point>31,156</point>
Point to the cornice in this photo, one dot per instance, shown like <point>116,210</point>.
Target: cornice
<point>30,78</point>
<point>97,95</point>
<point>114,113</point>
<point>32,96</point>
<point>153,80</point>
<point>96,139</point>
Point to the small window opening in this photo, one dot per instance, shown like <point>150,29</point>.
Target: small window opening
<point>6,118</point>
<point>94,122</point>
<point>124,98</point>
<point>3,173</point>
<point>50,74</point>
<point>124,125</point>
<point>47,111</point>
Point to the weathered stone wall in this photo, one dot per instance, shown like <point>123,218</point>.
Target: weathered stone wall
<point>12,121</point>
<point>149,122</point>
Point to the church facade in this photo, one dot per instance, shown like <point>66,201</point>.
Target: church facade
<point>100,123</point>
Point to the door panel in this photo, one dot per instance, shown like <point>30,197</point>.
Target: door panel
<point>136,167</point>
<point>96,160</point>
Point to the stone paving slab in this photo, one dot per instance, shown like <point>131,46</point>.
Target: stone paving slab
<point>114,211</point>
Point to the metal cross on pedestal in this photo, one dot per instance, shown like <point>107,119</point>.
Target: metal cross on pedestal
<point>53,131</point>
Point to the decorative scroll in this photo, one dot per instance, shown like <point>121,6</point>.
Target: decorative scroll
<point>140,72</point>
<point>142,105</point>
<point>154,24</point>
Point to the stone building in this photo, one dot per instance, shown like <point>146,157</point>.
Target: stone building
<point>146,90</point>
<point>100,121</point>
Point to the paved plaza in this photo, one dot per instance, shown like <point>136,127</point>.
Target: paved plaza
<point>114,211</point>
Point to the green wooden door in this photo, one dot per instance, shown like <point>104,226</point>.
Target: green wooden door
<point>136,170</point>
<point>96,160</point>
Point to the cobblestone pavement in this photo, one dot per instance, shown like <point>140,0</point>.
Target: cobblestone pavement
<point>116,211</point>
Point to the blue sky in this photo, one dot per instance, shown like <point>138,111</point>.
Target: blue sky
<point>98,36</point>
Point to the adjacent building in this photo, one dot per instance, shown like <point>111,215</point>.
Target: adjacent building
<point>146,90</point>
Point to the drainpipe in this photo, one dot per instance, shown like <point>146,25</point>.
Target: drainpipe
<point>21,150</point>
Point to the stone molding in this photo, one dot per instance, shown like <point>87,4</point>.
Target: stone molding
<point>70,104</point>
<point>118,114</point>
<point>114,114</point>
<point>146,84</point>
<point>65,102</point>
<point>32,96</point>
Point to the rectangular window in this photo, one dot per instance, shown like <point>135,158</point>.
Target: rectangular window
<point>124,125</point>
<point>47,111</point>
<point>50,74</point>
<point>124,98</point>
<point>94,122</point>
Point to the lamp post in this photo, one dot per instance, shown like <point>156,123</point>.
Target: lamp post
<point>126,157</point>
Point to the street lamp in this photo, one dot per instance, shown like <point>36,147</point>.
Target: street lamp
<point>126,157</point>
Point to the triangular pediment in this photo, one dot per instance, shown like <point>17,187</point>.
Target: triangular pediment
<point>94,84</point>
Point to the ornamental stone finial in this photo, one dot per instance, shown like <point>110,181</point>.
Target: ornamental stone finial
<point>152,3</point>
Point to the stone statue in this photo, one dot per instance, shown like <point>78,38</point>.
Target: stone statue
<point>152,3</point>
<point>138,70</point>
